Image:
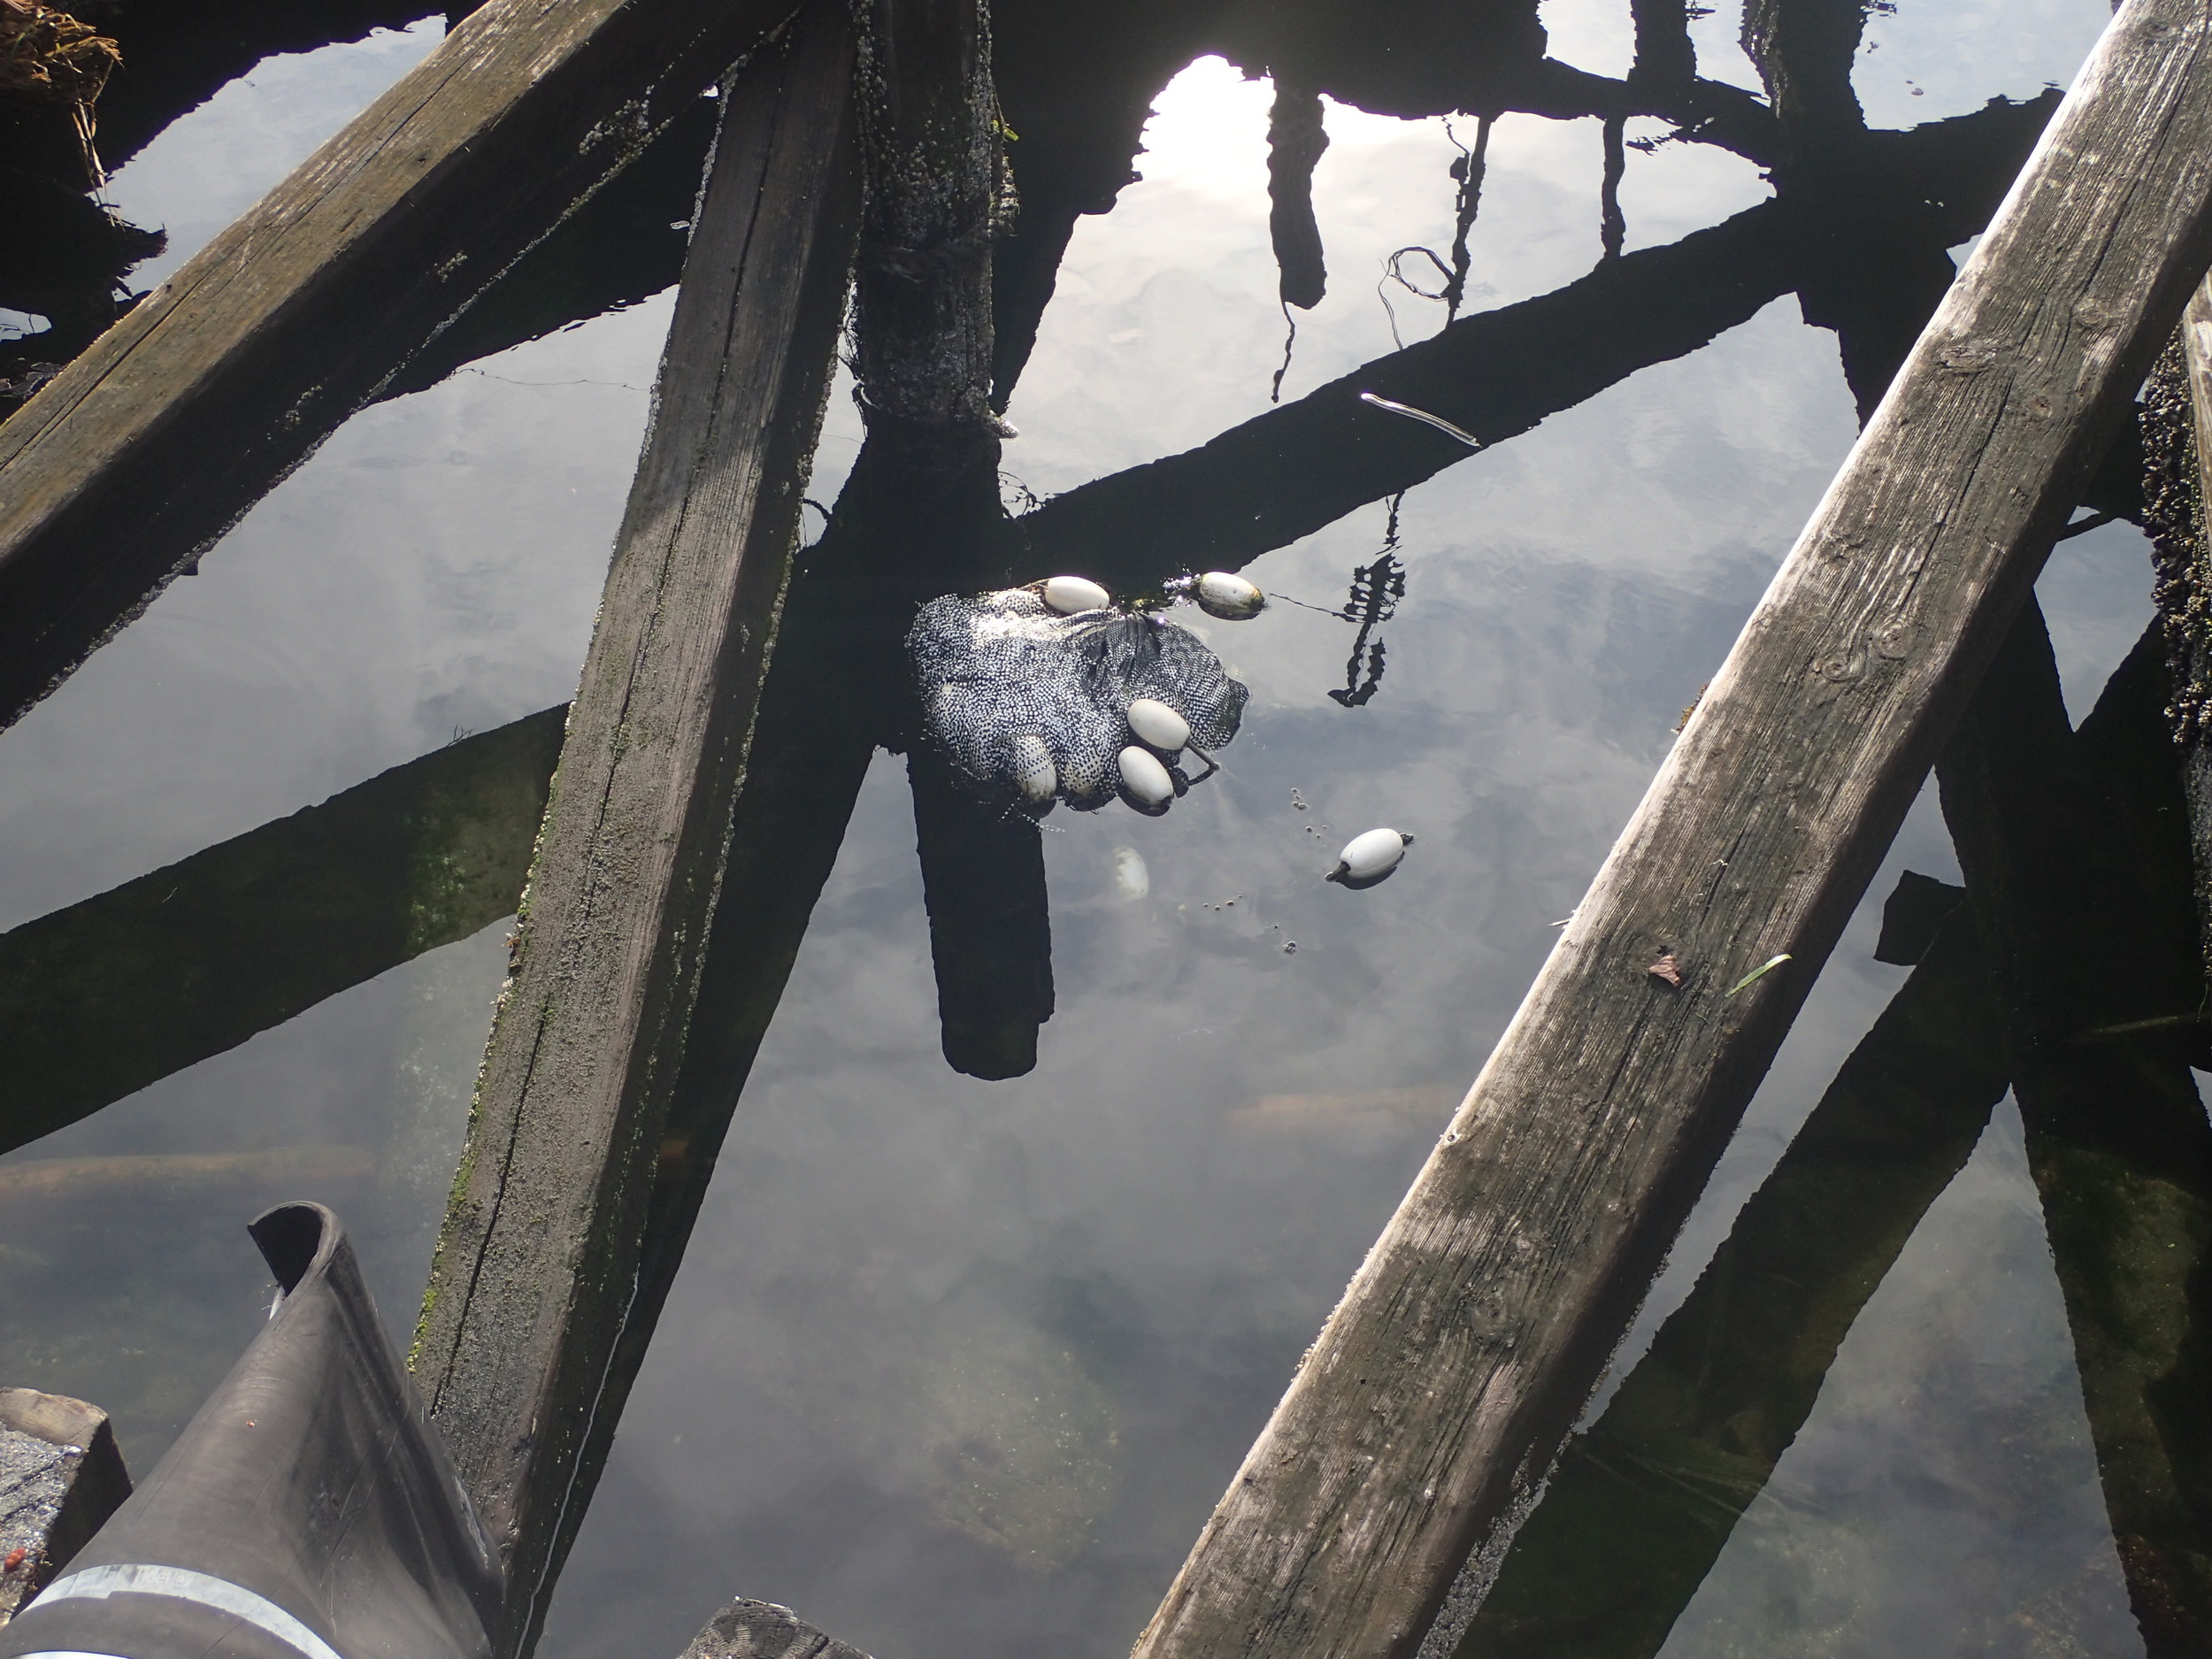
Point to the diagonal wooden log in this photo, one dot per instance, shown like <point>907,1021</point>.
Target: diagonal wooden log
<point>151,445</point>
<point>1445,1381</point>
<point>538,1262</point>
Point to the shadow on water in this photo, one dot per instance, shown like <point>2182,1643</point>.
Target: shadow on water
<point>2074,930</point>
<point>105,997</point>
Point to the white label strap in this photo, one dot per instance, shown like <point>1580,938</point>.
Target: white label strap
<point>179,1584</point>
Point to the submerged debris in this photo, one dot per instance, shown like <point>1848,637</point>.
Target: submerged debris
<point>1040,706</point>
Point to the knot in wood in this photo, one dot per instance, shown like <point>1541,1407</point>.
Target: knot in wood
<point>1968,356</point>
<point>2092,313</point>
<point>1895,641</point>
<point>1843,668</point>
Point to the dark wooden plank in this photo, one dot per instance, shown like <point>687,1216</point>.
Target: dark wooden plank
<point>1444,1383</point>
<point>2177,444</point>
<point>151,445</point>
<point>537,1265</point>
<point>100,999</point>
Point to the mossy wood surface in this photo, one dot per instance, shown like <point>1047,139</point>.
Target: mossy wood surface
<point>151,444</point>
<point>1442,1387</point>
<point>538,1262</point>
<point>2189,610</point>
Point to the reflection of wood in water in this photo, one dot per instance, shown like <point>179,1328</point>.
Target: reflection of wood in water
<point>76,1178</point>
<point>1431,1102</point>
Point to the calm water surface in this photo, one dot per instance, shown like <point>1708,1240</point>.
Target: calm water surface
<point>957,1367</point>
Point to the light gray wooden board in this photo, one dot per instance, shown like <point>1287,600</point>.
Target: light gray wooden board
<point>747,1629</point>
<point>61,1477</point>
<point>537,1263</point>
<point>1443,1384</point>
<point>151,445</point>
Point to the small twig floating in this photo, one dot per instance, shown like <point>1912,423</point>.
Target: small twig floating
<point>1425,419</point>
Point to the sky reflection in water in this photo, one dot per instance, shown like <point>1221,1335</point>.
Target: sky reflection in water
<point>957,1367</point>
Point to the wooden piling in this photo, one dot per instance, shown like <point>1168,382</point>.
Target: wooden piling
<point>155,441</point>
<point>2179,441</point>
<point>1443,1386</point>
<point>538,1262</point>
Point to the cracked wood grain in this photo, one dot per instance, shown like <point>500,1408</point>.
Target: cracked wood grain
<point>538,1262</point>
<point>1440,1388</point>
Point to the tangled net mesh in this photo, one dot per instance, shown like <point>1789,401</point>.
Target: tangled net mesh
<point>998,667</point>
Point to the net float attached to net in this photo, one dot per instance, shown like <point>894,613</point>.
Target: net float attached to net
<point>1144,779</point>
<point>1068,595</point>
<point>1231,598</point>
<point>1157,726</point>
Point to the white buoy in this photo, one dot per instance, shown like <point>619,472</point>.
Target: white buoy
<point>1158,725</point>
<point>1366,859</point>
<point>1036,780</point>
<point>1231,598</point>
<point>1145,779</point>
<point>1068,595</point>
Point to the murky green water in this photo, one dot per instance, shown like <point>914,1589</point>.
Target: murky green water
<point>958,1367</point>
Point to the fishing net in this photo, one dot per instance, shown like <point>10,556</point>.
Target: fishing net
<point>997,668</point>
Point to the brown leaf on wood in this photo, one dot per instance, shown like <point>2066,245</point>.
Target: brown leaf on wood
<point>1666,968</point>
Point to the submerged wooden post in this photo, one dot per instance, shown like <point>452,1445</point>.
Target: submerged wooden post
<point>156,441</point>
<point>2096,985</point>
<point>1443,1384</point>
<point>537,1266</point>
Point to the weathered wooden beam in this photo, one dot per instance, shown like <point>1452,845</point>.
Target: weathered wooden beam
<point>922,286</point>
<point>61,1476</point>
<point>151,445</point>
<point>748,1629</point>
<point>538,1261</point>
<point>106,996</point>
<point>1444,1383</point>
<point>919,503</point>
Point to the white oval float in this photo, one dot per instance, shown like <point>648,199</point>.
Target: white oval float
<point>1036,780</point>
<point>1145,779</point>
<point>1158,725</point>
<point>1231,598</point>
<point>1068,595</point>
<point>1366,859</point>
